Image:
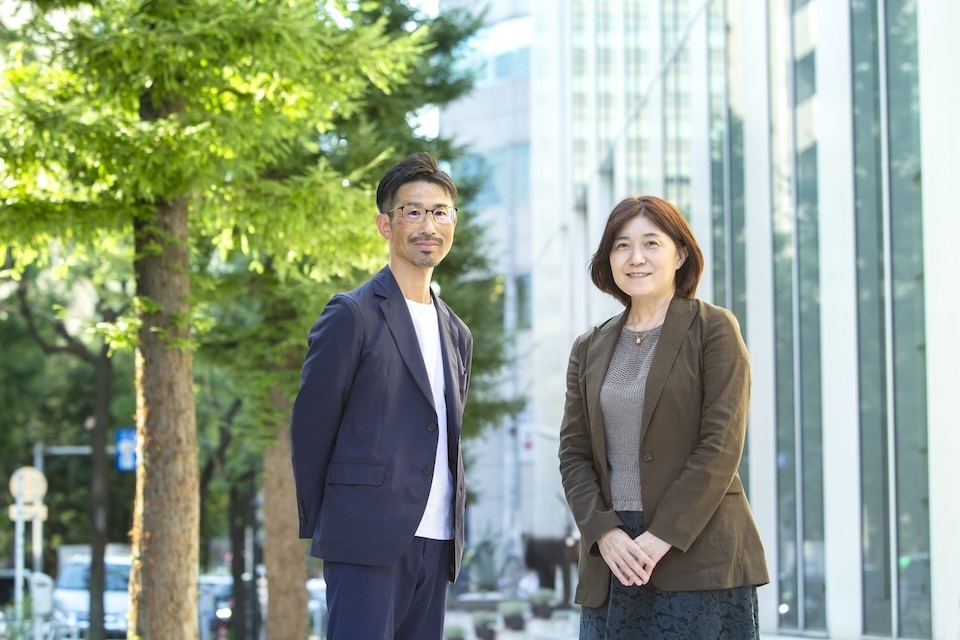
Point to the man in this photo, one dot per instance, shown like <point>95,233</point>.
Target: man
<point>376,426</point>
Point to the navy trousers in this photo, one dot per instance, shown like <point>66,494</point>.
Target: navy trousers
<point>402,601</point>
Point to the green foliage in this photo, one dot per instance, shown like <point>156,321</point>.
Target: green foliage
<point>465,277</point>
<point>274,120</point>
<point>513,608</point>
<point>263,318</point>
<point>436,80</point>
<point>484,617</point>
<point>454,632</point>
<point>140,102</point>
<point>130,105</point>
<point>543,596</point>
<point>47,398</point>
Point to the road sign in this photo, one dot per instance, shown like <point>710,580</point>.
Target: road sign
<point>30,483</point>
<point>126,450</point>
<point>30,511</point>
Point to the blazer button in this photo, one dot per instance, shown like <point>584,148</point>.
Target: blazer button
<point>648,457</point>
<point>427,470</point>
<point>431,427</point>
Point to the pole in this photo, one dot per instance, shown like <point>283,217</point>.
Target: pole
<point>36,617</point>
<point>36,526</point>
<point>18,554</point>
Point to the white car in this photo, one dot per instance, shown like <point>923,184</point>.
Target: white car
<point>71,594</point>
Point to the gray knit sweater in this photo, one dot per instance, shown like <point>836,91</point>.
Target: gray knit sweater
<point>621,402</point>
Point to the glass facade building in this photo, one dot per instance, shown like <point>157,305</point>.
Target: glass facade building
<point>810,144</point>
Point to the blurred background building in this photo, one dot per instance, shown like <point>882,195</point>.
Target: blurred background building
<point>811,144</point>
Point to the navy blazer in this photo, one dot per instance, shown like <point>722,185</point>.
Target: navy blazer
<point>364,429</point>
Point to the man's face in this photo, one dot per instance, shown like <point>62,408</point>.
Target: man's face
<point>421,245</point>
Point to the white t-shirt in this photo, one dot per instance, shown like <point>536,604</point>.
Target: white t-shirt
<point>437,521</point>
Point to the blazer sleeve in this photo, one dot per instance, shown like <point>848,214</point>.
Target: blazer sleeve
<point>709,473</point>
<point>332,359</point>
<point>578,470</point>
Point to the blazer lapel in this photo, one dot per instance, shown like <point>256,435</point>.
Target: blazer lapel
<point>679,317</point>
<point>397,316</point>
<point>451,366</point>
<point>599,353</point>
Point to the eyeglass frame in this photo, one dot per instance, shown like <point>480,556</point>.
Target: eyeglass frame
<point>453,210</point>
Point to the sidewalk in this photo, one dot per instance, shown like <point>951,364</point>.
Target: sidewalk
<point>564,628</point>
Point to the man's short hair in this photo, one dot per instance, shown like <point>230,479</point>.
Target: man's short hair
<point>416,167</point>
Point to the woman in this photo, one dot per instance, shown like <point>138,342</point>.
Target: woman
<point>652,434</point>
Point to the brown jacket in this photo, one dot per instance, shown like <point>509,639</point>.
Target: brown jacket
<point>691,438</point>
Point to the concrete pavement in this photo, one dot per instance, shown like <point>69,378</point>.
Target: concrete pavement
<point>563,626</point>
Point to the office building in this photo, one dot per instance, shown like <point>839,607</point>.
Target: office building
<point>811,145</point>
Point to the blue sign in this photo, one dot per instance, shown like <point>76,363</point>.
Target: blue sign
<point>126,447</point>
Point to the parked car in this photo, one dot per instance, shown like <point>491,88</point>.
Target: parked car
<point>224,604</point>
<point>8,586</point>
<point>71,594</point>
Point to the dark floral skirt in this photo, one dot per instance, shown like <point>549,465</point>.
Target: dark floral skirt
<point>647,613</point>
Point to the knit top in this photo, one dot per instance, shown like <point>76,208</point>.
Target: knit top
<point>621,403</point>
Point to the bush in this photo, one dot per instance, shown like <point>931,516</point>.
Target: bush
<point>484,618</point>
<point>513,612</point>
<point>543,596</point>
<point>454,633</point>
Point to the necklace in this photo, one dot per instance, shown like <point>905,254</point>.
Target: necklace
<point>640,338</point>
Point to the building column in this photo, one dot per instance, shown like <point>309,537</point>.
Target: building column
<point>938,51</point>
<point>838,306</point>
<point>761,433</point>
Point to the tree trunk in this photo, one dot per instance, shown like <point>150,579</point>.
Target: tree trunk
<point>284,554</point>
<point>99,495</point>
<point>214,462</point>
<point>163,579</point>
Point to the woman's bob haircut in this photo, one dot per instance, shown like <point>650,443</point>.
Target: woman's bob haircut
<point>669,219</point>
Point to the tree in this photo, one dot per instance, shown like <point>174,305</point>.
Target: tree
<point>158,119</point>
<point>107,291</point>
<point>268,349</point>
<point>48,398</point>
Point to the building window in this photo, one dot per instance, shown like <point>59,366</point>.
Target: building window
<point>676,106</point>
<point>501,51</point>
<point>797,318</point>
<point>726,173</point>
<point>501,176</point>
<point>892,385</point>
<point>512,64</point>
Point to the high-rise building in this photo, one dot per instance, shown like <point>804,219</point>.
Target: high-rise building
<point>811,145</point>
<point>494,124</point>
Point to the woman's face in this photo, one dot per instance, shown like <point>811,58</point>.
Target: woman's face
<point>644,261</point>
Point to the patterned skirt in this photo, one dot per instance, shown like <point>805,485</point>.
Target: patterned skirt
<point>647,613</point>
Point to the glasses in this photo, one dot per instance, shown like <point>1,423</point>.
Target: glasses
<point>412,214</point>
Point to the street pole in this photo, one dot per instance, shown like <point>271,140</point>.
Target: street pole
<point>18,571</point>
<point>36,528</point>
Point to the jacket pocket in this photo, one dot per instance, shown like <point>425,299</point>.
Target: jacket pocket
<point>736,486</point>
<point>343,473</point>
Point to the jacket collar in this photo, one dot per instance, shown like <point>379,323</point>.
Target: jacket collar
<point>676,323</point>
<point>397,317</point>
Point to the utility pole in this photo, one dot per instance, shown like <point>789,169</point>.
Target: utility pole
<point>28,486</point>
